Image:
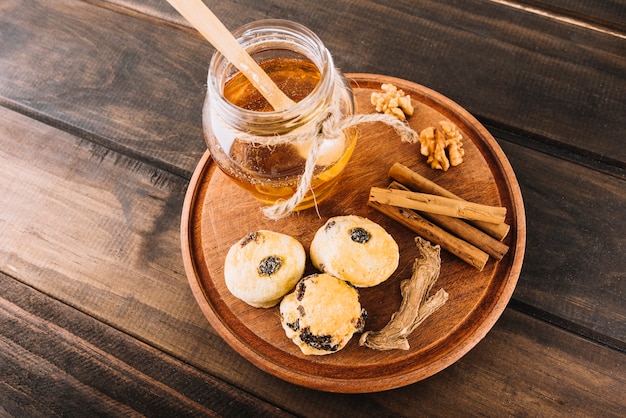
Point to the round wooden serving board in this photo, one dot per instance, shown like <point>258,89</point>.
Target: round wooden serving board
<point>217,213</point>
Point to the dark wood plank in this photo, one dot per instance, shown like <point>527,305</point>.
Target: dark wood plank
<point>513,371</point>
<point>607,15</point>
<point>86,69</point>
<point>58,361</point>
<point>99,231</point>
<point>122,96</point>
<point>576,242</point>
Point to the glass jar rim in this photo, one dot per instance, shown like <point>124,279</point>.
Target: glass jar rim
<point>279,32</point>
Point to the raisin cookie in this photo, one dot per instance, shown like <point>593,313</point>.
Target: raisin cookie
<point>355,249</point>
<point>321,314</point>
<point>264,266</point>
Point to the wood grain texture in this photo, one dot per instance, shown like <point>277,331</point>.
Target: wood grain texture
<point>121,97</point>
<point>608,15</point>
<point>576,242</point>
<point>524,84</point>
<point>57,361</point>
<point>523,367</point>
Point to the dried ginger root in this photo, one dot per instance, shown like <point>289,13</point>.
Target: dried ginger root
<point>435,142</point>
<point>416,306</point>
<point>392,102</point>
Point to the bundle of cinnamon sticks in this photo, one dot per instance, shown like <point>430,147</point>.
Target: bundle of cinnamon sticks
<point>470,231</point>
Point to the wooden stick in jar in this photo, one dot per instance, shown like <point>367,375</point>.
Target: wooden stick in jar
<point>205,21</point>
<point>418,183</point>
<point>465,231</point>
<point>438,204</point>
<point>427,230</point>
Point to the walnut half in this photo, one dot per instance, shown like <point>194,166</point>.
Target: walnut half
<point>435,142</point>
<point>392,101</point>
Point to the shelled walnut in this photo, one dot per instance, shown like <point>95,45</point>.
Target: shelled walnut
<point>435,142</point>
<point>392,101</point>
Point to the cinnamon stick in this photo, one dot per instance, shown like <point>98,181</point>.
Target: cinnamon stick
<point>438,204</point>
<point>416,223</point>
<point>465,231</point>
<point>419,183</point>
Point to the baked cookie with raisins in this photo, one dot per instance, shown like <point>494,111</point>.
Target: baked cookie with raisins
<point>355,249</point>
<point>321,314</point>
<point>264,266</point>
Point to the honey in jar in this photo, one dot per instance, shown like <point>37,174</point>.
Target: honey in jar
<point>296,60</point>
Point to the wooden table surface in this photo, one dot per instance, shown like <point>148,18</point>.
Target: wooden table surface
<point>100,132</point>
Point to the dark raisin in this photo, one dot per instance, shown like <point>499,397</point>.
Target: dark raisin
<point>270,265</point>
<point>329,225</point>
<point>300,290</point>
<point>359,235</point>
<point>294,325</point>
<point>319,342</point>
<point>252,236</point>
<point>360,324</point>
<point>301,310</point>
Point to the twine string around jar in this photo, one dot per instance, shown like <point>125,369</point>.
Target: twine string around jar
<point>329,124</point>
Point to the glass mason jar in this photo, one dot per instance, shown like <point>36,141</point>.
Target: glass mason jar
<point>297,61</point>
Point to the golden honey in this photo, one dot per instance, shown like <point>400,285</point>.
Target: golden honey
<point>272,172</point>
